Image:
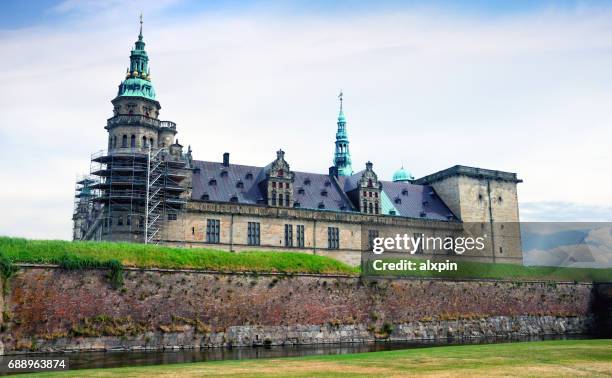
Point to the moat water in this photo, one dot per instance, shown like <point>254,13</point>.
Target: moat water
<point>90,360</point>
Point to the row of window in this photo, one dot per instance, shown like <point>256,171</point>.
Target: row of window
<point>213,234</point>
<point>283,200</point>
<point>124,141</point>
<point>127,220</point>
<point>370,208</point>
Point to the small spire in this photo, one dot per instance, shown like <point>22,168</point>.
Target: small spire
<point>340,97</point>
<point>140,34</point>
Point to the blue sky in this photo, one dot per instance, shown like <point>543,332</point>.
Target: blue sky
<point>519,86</point>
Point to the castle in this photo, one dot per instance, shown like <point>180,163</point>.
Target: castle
<point>145,188</point>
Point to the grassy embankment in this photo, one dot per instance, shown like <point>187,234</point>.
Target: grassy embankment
<point>111,255</point>
<point>564,358</point>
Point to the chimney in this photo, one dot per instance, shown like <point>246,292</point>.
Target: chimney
<point>333,171</point>
<point>226,159</point>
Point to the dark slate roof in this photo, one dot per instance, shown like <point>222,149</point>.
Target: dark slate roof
<point>310,190</point>
<point>414,199</point>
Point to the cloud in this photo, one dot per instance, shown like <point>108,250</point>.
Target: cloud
<point>559,211</point>
<point>425,88</point>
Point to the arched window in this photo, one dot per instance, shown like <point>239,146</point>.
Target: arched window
<point>280,200</point>
<point>152,144</point>
<point>273,198</point>
<point>133,141</point>
<point>365,207</point>
<point>287,201</point>
<point>144,141</point>
<point>115,141</point>
<point>370,208</point>
<point>375,208</point>
<point>124,141</point>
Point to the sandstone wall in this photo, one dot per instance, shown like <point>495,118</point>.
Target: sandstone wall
<point>52,309</point>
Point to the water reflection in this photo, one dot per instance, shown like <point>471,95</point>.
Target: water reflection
<point>133,358</point>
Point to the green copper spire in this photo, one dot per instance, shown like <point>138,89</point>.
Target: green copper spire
<point>342,156</point>
<point>137,81</point>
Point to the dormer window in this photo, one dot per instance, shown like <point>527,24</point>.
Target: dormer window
<point>422,214</point>
<point>321,205</point>
<point>280,173</point>
<point>240,185</point>
<point>234,199</point>
<point>343,207</point>
<point>196,170</point>
<point>425,203</point>
<point>324,193</point>
<point>249,176</point>
<point>398,200</point>
<point>274,184</point>
<point>296,204</point>
<point>205,197</point>
<point>404,192</point>
<point>301,191</point>
<point>224,173</point>
<point>307,181</point>
<point>327,183</point>
<point>212,182</point>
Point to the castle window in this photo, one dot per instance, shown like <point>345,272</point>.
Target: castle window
<point>404,192</point>
<point>224,173</point>
<point>365,194</point>
<point>372,234</point>
<point>152,142</point>
<point>205,197</point>
<point>296,204</point>
<point>128,220</point>
<point>212,182</point>
<point>307,181</point>
<point>501,250</point>
<point>213,231</point>
<point>280,173</point>
<point>333,238</point>
<point>422,214</point>
<point>425,203</point>
<point>327,183</point>
<point>288,235</point>
<point>375,208</point>
<point>375,194</point>
<point>324,193</point>
<point>343,207</point>
<point>280,200</point>
<point>171,216</point>
<point>370,208</point>
<point>287,201</point>
<point>253,234</point>
<point>364,208</point>
<point>192,230</point>
<point>120,220</point>
<point>144,141</point>
<point>370,184</point>
<point>300,235</point>
<point>273,198</point>
<point>124,141</point>
<point>249,176</point>
<point>391,212</point>
<point>115,141</point>
<point>133,141</point>
<point>321,205</point>
<point>499,199</point>
<point>239,185</point>
<point>273,184</point>
<point>398,200</point>
<point>480,196</point>
<point>141,222</point>
<point>370,194</point>
<point>301,191</point>
<point>234,199</point>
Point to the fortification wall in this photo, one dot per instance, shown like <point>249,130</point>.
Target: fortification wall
<point>49,309</point>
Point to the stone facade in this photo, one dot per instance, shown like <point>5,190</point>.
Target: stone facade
<point>49,309</point>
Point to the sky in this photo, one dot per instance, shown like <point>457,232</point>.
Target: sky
<point>519,86</point>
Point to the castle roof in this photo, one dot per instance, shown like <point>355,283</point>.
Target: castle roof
<point>216,182</point>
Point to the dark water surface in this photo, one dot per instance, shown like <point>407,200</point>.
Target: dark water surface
<point>87,360</point>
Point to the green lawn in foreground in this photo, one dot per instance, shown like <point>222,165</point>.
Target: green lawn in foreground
<point>542,359</point>
<point>506,271</point>
<point>148,256</point>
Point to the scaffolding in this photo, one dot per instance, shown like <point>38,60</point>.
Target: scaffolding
<point>133,192</point>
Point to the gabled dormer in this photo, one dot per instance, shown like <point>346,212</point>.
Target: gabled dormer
<point>369,191</point>
<point>279,182</point>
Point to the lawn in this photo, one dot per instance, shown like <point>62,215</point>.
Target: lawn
<point>542,359</point>
<point>96,254</point>
<point>469,269</point>
<point>73,255</point>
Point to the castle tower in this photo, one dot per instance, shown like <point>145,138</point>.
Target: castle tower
<point>342,155</point>
<point>142,178</point>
